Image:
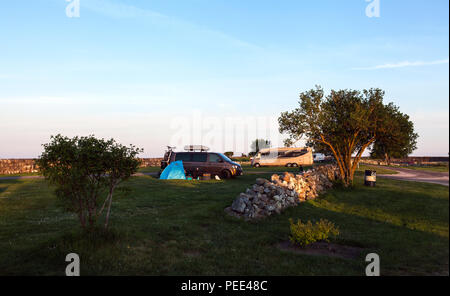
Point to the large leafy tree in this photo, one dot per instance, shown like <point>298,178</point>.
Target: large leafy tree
<point>399,139</point>
<point>288,142</point>
<point>344,123</point>
<point>86,171</point>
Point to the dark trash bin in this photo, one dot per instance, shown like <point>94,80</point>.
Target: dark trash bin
<point>370,178</point>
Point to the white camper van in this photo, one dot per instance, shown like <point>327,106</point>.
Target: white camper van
<point>318,157</point>
<point>290,157</point>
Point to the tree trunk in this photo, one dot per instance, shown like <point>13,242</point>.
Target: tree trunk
<point>338,158</point>
<point>109,207</point>
<point>81,213</point>
<point>358,156</point>
<point>387,158</point>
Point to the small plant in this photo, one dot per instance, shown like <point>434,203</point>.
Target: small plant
<point>303,234</point>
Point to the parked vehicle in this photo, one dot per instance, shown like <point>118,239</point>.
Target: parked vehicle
<point>197,161</point>
<point>290,157</point>
<point>329,158</point>
<point>318,157</point>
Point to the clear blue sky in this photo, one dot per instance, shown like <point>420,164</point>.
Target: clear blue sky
<point>124,68</point>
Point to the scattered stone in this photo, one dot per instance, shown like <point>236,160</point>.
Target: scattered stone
<point>261,181</point>
<point>238,205</point>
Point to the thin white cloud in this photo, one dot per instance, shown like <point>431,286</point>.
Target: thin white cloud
<point>115,9</point>
<point>404,64</point>
<point>118,10</point>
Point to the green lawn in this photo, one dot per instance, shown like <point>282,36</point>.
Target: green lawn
<point>437,168</point>
<point>19,175</point>
<point>180,228</point>
<point>149,170</point>
<point>362,168</point>
<point>379,170</point>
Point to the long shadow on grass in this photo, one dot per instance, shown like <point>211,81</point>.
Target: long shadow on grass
<point>5,184</point>
<point>425,207</point>
<point>401,249</point>
<point>195,216</point>
<point>180,228</point>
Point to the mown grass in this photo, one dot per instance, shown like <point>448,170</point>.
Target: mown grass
<point>19,175</point>
<point>379,170</point>
<point>430,168</point>
<point>361,168</point>
<point>149,170</point>
<point>180,228</point>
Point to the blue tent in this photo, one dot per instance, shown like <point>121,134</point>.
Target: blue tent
<point>175,170</point>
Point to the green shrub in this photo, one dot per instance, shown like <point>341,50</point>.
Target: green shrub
<point>303,234</point>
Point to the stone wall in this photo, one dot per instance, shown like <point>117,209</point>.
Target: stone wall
<point>17,166</point>
<point>150,162</point>
<point>23,166</point>
<point>268,197</point>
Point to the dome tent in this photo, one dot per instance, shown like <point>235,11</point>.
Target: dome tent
<point>174,171</point>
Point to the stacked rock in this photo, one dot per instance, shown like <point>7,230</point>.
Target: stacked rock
<point>17,166</point>
<point>268,197</point>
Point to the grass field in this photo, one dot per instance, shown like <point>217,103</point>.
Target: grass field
<point>379,170</point>
<point>361,168</point>
<point>149,170</point>
<point>180,228</point>
<point>20,175</point>
<point>437,168</point>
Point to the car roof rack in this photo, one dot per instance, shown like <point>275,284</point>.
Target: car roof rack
<point>196,148</point>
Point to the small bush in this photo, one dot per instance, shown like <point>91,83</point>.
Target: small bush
<point>303,234</point>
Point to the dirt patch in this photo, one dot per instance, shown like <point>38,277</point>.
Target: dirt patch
<point>323,249</point>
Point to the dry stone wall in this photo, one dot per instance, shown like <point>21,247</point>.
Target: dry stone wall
<point>17,166</point>
<point>268,197</point>
<point>23,166</point>
<point>150,162</point>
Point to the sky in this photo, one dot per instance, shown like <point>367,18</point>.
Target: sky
<point>213,72</point>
